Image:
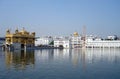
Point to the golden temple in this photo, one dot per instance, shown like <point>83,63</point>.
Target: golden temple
<point>20,39</point>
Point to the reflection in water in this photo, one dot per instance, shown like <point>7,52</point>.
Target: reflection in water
<point>80,56</point>
<point>19,58</point>
<point>90,63</point>
<point>108,54</point>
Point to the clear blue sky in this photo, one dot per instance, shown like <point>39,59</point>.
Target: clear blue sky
<point>61,17</point>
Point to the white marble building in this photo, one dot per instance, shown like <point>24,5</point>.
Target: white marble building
<point>76,41</point>
<point>62,42</point>
<point>100,43</point>
<point>43,41</point>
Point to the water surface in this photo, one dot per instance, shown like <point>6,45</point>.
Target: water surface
<point>60,64</point>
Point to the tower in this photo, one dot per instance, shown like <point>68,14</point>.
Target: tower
<point>84,36</point>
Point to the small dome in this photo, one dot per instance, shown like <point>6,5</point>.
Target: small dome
<point>75,34</point>
<point>16,31</point>
<point>8,31</point>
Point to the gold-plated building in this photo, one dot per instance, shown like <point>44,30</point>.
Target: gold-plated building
<point>20,39</point>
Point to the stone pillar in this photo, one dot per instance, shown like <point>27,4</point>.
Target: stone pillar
<point>25,47</point>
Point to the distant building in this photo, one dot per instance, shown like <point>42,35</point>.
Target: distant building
<point>19,39</point>
<point>76,41</point>
<point>43,41</point>
<point>93,42</point>
<point>62,42</point>
<point>114,37</point>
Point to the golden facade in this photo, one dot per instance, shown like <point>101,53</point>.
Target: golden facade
<point>22,38</point>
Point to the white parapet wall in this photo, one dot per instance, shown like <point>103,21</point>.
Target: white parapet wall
<point>103,43</point>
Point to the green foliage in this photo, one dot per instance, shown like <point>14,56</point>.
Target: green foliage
<point>52,43</point>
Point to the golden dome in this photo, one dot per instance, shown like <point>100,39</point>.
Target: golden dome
<point>76,34</point>
<point>24,31</point>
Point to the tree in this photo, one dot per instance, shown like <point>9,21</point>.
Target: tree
<point>51,43</point>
